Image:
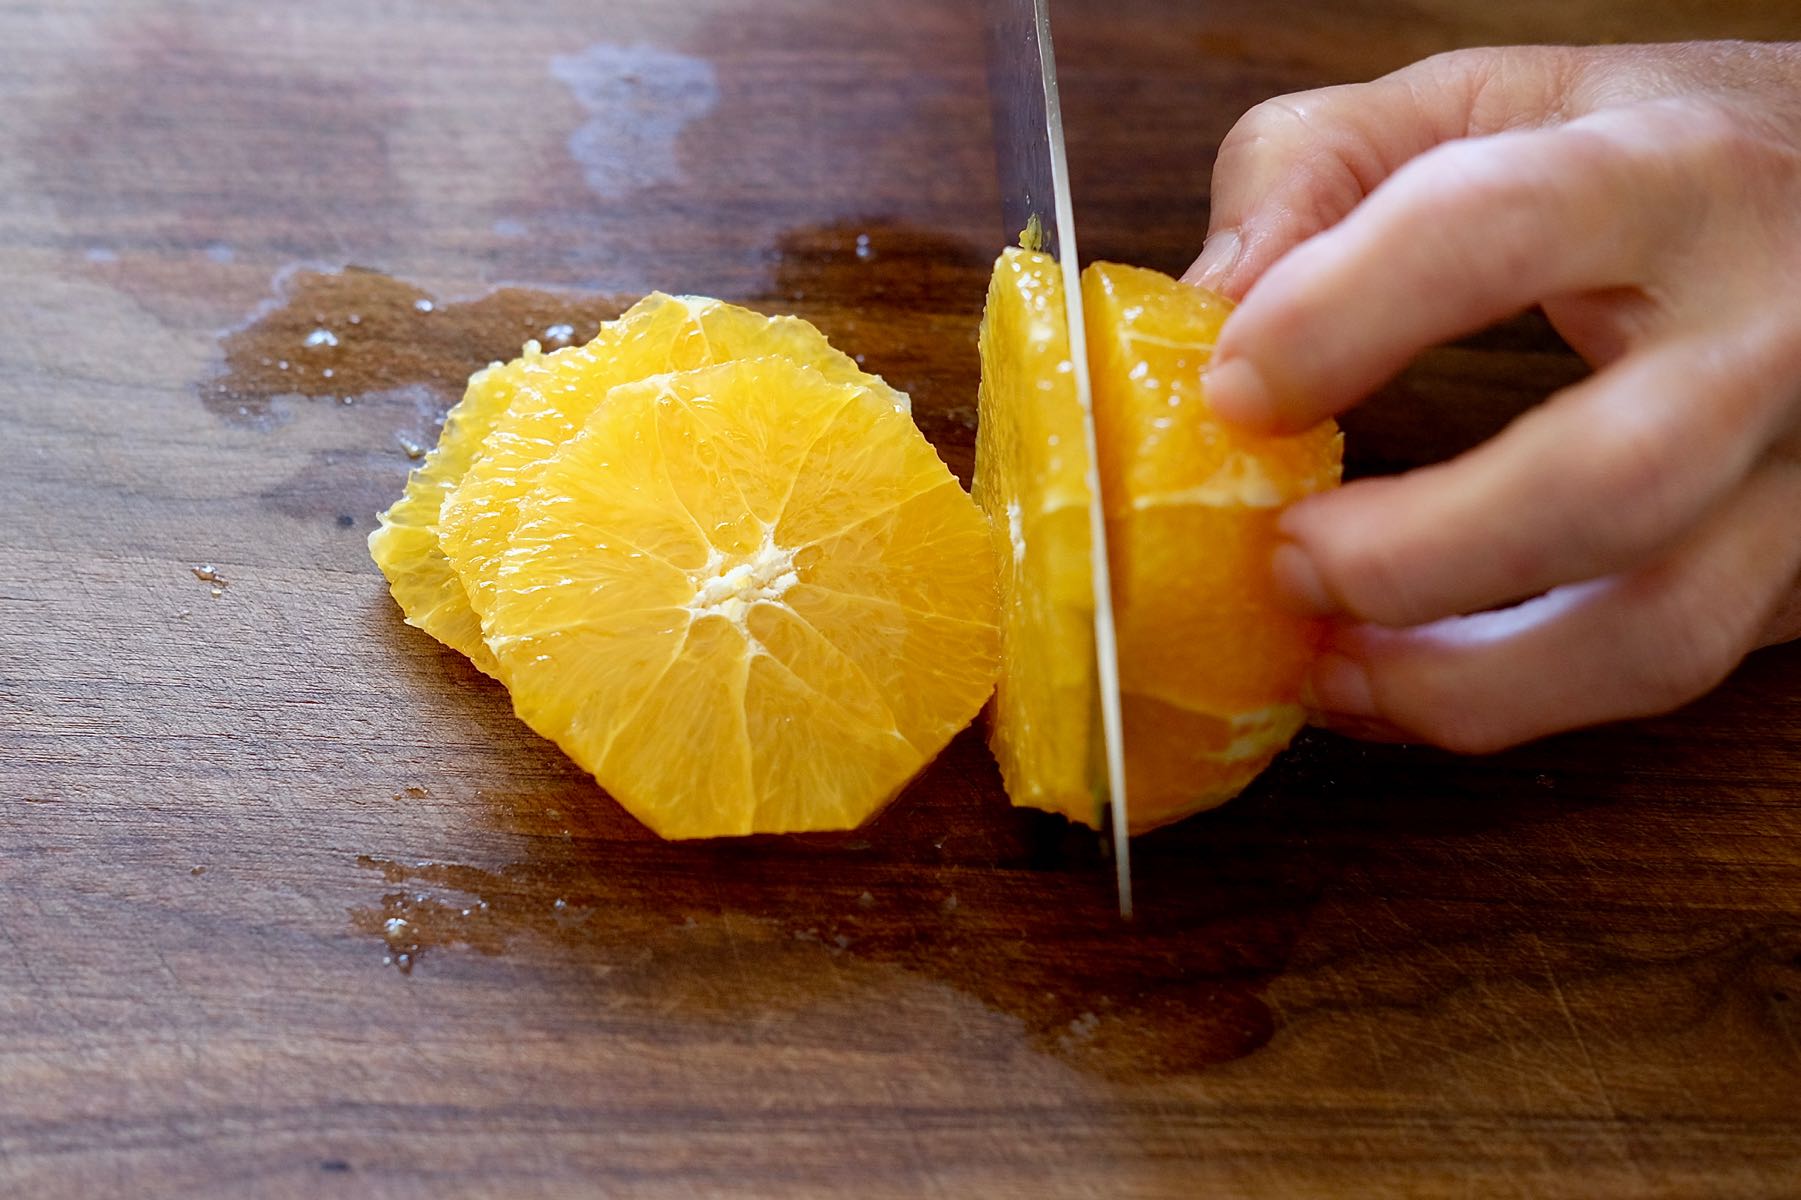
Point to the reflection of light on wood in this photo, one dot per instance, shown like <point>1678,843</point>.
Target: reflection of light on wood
<point>639,99</point>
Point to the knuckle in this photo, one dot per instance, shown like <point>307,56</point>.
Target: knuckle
<point>1425,707</point>
<point>1478,213</point>
<point>1621,494</point>
<point>1475,173</point>
<point>1703,128</point>
<point>1378,580</point>
<point>1670,153</point>
<point>1686,663</point>
<point>1272,120</point>
<point>1677,145</point>
<point>1470,69</point>
<point>1696,636</point>
<point>1463,730</point>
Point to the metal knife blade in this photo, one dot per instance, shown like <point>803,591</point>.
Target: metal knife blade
<point>1034,179</point>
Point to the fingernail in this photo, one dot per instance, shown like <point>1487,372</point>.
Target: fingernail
<point>1298,585</point>
<point>1236,391</point>
<point>1217,258</point>
<point>1339,686</point>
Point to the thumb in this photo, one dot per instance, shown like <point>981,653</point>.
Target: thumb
<point>1296,165</point>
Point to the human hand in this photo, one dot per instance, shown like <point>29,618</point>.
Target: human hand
<point>1644,525</point>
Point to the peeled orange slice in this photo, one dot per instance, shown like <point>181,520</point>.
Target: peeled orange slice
<point>1210,668</point>
<point>748,597</point>
<point>1031,477</point>
<point>405,543</point>
<point>554,395</point>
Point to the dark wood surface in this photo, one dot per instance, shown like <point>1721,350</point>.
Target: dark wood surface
<point>1572,970</point>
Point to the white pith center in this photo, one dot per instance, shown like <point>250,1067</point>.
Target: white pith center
<point>730,583</point>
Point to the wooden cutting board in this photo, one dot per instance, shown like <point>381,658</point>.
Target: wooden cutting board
<point>290,905</point>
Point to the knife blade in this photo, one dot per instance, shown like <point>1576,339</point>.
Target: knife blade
<point>1034,180</point>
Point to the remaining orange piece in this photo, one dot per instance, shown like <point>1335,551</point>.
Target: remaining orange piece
<point>552,396</point>
<point>1031,477</point>
<point>1210,669</point>
<point>749,598</point>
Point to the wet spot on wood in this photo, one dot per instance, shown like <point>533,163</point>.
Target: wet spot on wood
<point>355,334</point>
<point>941,890</point>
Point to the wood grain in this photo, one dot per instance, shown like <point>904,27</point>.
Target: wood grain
<point>291,906</point>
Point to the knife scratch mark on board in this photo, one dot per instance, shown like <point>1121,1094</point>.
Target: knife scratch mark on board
<point>1616,1134</point>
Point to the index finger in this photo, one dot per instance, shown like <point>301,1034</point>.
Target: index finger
<point>1467,234</point>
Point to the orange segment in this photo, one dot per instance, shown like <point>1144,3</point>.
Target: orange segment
<point>749,598</point>
<point>558,392</point>
<point>1210,666</point>
<point>1031,479</point>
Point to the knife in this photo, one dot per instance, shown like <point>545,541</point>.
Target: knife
<point>1034,180</point>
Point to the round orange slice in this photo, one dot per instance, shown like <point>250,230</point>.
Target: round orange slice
<point>554,395</point>
<point>405,543</point>
<point>749,598</point>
